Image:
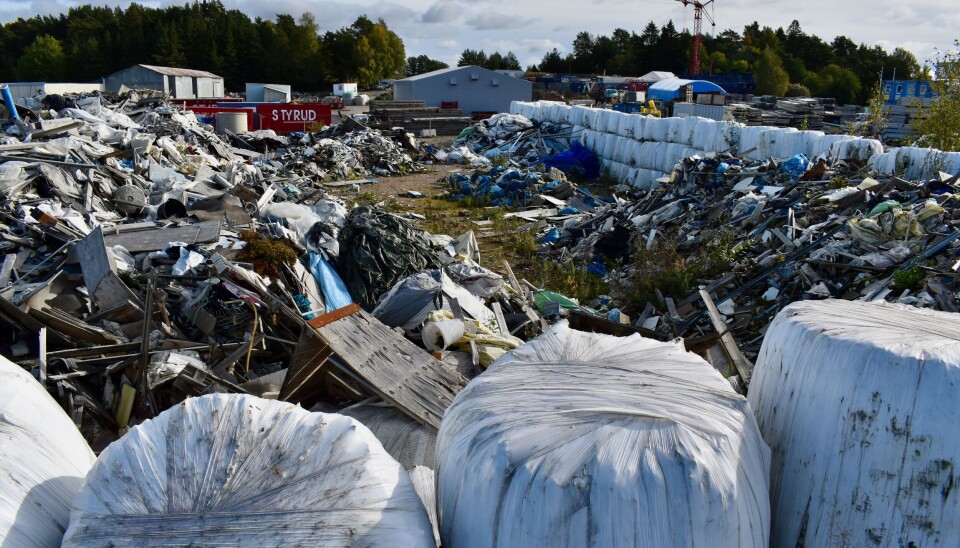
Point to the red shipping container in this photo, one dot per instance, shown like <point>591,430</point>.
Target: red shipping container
<point>288,117</point>
<point>210,113</point>
<point>205,102</point>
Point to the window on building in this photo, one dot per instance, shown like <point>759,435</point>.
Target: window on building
<point>453,81</point>
<point>474,75</point>
<point>886,88</point>
<point>909,89</point>
<point>922,89</point>
<point>495,82</point>
<point>899,89</point>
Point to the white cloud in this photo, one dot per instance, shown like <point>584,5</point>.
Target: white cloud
<point>442,12</point>
<point>497,21</point>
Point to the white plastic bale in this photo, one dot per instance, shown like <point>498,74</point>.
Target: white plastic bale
<point>632,151</point>
<point>576,116</point>
<point>728,136</point>
<point>750,141</point>
<point>639,121</point>
<point>610,146</point>
<point>688,129</point>
<point>705,134</point>
<point>951,163</point>
<point>656,129</point>
<point>236,470</point>
<point>809,142</point>
<point>515,107</point>
<point>916,162</point>
<point>43,460</point>
<point>825,145</point>
<point>649,153</point>
<point>675,130</point>
<point>622,152</point>
<point>626,125</point>
<point>885,163</point>
<point>589,140</point>
<point>791,143</point>
<point>587,440</point>
<point>858,402</point>
<point>589,117</point>
<point>671,153</point>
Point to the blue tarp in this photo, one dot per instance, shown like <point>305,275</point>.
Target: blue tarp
<point>576,159</point>
<point>669,89</point>
<point>335,293</point>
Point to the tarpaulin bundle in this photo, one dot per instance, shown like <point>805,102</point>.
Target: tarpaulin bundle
<point>858,402</point>
<point>577,160</point>
<point>237,470</point>
<point>377,250</point>
<point>579,439</point>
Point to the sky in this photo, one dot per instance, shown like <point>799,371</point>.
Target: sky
<point>442,29</point>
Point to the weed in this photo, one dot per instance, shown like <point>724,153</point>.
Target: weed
<point>571,281</point>
<point>500,160</point>
<point>266,255</point>
<point>911,278</point>
<point>676,269</point>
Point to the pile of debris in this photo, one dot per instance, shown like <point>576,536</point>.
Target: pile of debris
<point>150,259</point>
<point>513,136</point>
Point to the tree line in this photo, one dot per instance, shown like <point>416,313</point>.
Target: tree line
<point>89,42</point>
<point>783,61</point>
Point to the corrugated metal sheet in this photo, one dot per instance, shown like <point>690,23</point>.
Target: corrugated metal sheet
<point>713,112</point>
<point>171,71</point>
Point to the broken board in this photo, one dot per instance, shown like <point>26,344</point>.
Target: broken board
<point>155,239</point>
<point>381,359</point>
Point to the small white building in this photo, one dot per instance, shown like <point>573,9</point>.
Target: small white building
<point>268,93</point>
<point>343,89</point>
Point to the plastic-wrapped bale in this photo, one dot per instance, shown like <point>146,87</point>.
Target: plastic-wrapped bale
<point>43,460</point>
<point>409,442</point>
<point>579,439</point>
<point>233,470</point>
<point>858,402</point>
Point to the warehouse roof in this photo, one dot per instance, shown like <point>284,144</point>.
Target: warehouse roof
<point>172,71</point>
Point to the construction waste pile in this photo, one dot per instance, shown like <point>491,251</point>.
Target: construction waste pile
<point>254,363</point>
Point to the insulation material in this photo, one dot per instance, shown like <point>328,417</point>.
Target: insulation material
<point>230,470</point>
<point>43,460</point>
<point>579,439</point>
<point>858,402</point>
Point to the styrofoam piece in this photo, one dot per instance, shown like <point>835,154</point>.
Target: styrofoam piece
<point>580,439</point>
<point>43,460</point>
<point>238,470</point>
<point>858,402</point>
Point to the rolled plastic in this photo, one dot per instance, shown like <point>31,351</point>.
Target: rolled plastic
<point>579,439</point>
<point>858,402</point>
<point>236,470</point>
<point>43,460</point>
<point>438,336</point>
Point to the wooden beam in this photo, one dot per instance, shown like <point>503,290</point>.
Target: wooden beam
<point>743,365</point>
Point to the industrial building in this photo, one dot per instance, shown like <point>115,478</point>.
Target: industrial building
<point>471,89</point>
<point>25,90</point>
<point>268,93</point>
<point>179,83</point>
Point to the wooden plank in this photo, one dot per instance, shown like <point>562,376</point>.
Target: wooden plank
<point>744,367</point>
<point>501,321</point>
<point>513,279</point>
<point>307,368</point>
<point>396,369</point>
<point>221,369</point>
<point>155,239</point>
<point>331,317</point>
<point>42,359</point>
<point>7,269</point>
<point>100,272</point>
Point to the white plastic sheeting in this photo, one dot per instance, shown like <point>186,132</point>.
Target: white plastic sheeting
<point>604,129</point>
<point>858,402</point>
<point>233,470</point>
<point>43,460</point>
<point>579,439</point>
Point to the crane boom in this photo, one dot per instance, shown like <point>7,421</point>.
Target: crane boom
<point>698,14</point>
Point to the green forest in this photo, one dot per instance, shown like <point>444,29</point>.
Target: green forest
<point>89,42</point>
<point>784,62</point>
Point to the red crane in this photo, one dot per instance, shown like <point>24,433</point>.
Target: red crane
<point>698,14</point>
